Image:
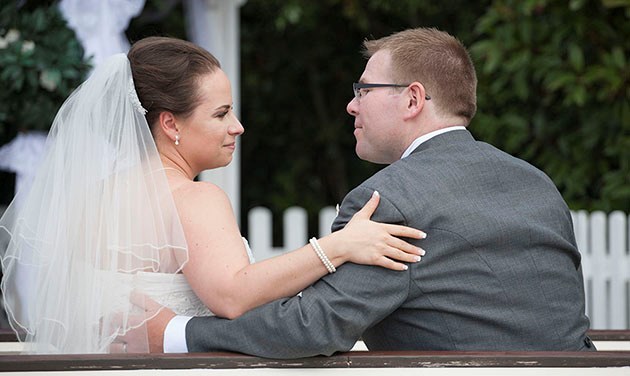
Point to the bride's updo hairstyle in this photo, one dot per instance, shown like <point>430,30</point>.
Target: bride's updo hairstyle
<point>166,72</point>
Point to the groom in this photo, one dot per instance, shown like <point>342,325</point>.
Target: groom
<point>502,271</point>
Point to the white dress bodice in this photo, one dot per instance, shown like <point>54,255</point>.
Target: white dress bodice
<point>173,291</point>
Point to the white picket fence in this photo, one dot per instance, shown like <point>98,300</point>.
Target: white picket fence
<point>602,239</point>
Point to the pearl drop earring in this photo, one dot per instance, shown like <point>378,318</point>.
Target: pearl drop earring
<point>176,139</point>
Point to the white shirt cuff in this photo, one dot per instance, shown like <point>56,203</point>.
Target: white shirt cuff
<point>175,335</point>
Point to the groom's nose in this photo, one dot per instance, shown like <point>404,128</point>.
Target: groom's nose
<point>353,107</point>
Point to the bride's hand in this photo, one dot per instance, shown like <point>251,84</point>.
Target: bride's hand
<point>372,243</point>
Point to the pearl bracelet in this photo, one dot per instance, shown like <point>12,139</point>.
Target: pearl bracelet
<point>322,256</point>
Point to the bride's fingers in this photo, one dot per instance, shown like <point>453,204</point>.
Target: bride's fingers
<point>403,256</point>
<point>404,231</point>
<point>405,248</point>
<point>391,264</point>
<point>370,207</point>
<point>394,258</point>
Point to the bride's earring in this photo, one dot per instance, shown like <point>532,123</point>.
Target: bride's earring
<point>176,139</point>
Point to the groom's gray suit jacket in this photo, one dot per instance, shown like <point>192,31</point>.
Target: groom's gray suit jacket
<point>502,271</point>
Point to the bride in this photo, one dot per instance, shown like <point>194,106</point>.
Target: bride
<point>115,209</point>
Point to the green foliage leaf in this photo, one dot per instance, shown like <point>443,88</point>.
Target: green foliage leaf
<point>618,57</point>
<point>576,57</point>
<point>575,5</point>
<point>45,47</point>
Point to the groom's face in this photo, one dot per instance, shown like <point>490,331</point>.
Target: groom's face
<point>377,114</point>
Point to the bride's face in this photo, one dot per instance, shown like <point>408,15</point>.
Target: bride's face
<point>208,136</point>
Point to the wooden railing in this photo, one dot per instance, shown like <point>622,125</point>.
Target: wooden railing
<point>11,362</point>
<point>358,359</point>
<point>609,335</point>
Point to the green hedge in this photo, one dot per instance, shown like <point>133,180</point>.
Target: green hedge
<point>41,63</point>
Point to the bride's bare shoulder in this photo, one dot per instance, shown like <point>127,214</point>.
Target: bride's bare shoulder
<point>199,193</point>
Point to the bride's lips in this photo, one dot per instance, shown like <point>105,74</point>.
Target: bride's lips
<point>230,145</point>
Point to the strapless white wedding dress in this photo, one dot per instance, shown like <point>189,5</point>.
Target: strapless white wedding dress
<point>174,292</point>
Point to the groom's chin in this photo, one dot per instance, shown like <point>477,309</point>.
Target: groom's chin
<point>367,156</point>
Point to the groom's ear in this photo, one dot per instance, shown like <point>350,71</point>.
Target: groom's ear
<point>415,100</point>
<point>168,124</point>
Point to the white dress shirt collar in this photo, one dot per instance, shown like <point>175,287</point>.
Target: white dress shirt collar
<point>427,137</point>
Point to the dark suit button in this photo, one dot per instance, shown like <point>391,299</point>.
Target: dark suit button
<point>588,342</point>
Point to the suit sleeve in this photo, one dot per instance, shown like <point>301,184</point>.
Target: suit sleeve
<point>330,315</point>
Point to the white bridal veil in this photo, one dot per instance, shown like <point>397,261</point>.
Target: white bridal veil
<point>99,211</point>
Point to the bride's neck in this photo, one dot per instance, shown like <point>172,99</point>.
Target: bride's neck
<point>177,172</point>
<point>174,168</point>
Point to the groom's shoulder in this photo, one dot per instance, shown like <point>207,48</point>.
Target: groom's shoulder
<point>359,196</point>
<point>376,182</point>
<point>388,175</point>
<point>384,181</point>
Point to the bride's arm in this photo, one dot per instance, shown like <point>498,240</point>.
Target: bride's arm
<point>219,271</point>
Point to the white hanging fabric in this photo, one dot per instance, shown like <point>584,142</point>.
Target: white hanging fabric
<point>100,24</point>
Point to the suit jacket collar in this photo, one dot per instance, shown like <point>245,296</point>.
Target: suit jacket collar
<point>446,138</point>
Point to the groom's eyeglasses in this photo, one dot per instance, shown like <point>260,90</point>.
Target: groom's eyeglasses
<point>358,88</point>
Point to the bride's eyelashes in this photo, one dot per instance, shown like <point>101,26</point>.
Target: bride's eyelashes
<point>223,114</point>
